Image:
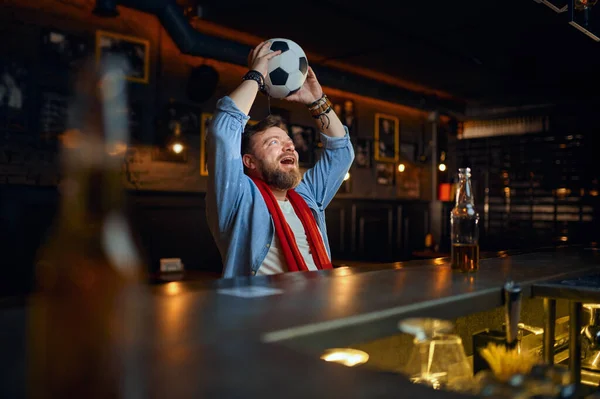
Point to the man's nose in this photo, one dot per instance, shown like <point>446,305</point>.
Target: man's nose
<point>289,146</point>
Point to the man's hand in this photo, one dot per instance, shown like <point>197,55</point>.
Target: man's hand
<point>259,57</point>
<point>310,91</point>
<point>245,94</point>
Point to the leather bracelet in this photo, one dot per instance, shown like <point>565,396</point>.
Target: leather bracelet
<point>317,102</point>
<point>257,77</point>
<point>320,107</point>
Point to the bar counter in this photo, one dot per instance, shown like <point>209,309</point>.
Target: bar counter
<point>222,339</point>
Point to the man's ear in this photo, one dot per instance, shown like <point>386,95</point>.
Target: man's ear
<point>249,161</point>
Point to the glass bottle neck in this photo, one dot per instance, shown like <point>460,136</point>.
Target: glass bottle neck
<point>464,192</point>
<point>89,192</point>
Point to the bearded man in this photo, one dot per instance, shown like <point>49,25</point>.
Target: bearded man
<point>266,216</point>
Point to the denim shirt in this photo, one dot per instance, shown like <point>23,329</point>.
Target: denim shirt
<point>237,215</point>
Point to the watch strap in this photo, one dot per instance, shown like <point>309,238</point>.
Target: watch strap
<point>256,76</point>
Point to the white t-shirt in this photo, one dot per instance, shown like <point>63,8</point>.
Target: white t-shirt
<point>275,260</point>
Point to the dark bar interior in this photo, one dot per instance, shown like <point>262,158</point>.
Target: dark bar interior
<point>470,133</point>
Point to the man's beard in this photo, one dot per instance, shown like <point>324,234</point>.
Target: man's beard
<point>278,178</point>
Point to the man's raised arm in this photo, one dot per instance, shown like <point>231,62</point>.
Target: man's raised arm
<point>245,94</point>
<point>226,172</point>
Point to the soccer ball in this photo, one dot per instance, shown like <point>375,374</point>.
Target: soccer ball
<point>287,71</point>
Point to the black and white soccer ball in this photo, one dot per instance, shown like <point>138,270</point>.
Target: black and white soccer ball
<point>287,71</point>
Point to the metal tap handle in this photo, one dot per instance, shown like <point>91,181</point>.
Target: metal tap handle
<point>512,303</point>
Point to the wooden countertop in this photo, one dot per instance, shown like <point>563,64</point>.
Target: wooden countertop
<point>202,341</point>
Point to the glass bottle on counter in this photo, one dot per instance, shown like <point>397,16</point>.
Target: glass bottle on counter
<point>464,226</point>
<point>83,317</point>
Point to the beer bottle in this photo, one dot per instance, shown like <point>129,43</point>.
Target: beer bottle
<point>80,315</point>
<point>464,230</point>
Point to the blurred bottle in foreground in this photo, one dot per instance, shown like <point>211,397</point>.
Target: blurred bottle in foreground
<point>82,315</point>
<point>464,226</point>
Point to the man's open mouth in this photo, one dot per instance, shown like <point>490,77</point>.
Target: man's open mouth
<point>288,160</point>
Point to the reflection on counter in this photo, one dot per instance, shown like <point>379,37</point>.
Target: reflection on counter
<point>346,356</point>
<point>440,354</point>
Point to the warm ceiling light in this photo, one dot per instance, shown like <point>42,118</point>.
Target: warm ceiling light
<point>442,167</point>
<point>401,168</point>
<point>347,176</point>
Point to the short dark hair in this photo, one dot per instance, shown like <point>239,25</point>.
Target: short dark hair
<point>251,130</point>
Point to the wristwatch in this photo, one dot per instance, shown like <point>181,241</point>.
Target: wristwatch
<point>256,76</point>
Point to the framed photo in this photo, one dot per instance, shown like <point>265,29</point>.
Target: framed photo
<point>408,183</point>
<point>65,49</point>
<point>136,52</point>
<point>363,150</point>
<point>205,119</point>
<point>346,111</point>
<point>14,96</point>
<point>408,151</point>
<point>282,113</point>
<point>304,137</point>
<point>54,109</point>
<point>187,115</point>
<point>387,138</point>
<point>348,117</point>
<point>386,173</point>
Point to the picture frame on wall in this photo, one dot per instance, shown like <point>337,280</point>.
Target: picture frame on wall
<point>345,109</point>
<point>385,173</point>
<point>408,151</point>
<point>363,150</point>
<point>65,49</point>
<point>136,52</point>
<point>14,96</point>
<point>205,119</point>
<point>387,138</point>
<point>54,108</point>
<point>304,138</point>
<point>186,115</point>
<point>408,183</point>
<point>283,113</point>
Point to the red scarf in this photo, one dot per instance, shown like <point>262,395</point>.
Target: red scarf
<point>293,257</point>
